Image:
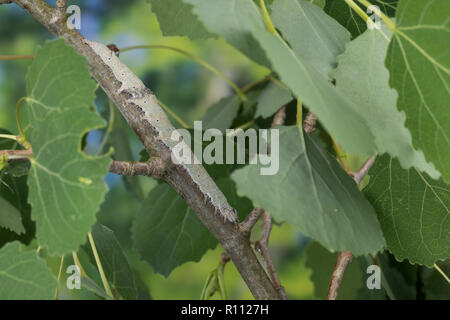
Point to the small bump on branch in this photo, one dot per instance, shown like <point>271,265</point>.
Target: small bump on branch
<point>155,167</point>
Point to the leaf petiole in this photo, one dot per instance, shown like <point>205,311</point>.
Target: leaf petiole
<point>196,59</point>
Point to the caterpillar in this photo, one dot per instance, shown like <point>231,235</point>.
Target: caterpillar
<point>156,117</point>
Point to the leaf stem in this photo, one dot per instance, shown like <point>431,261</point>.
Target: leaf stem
<point>17,57</point>
<point>266,16</point>
<point>110,126</point>
<point>299,112</point>
<point>196,59</point>
<point>59,276</point>
<point>22,138</point>
<point>77,262</point>
<point>173,114</point>
<point>99,266</point>
<point>9,136</point>
<point>360,12</point>
<point>341,155</point>
<point>441,272</point>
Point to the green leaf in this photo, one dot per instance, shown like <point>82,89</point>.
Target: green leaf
<point>313,192</point>
<point>90,285</point>
<point>333,109</point>
<point>222,114</point>
<point>272,98</point>
<point>10,217</point>
<point>412,210</point>
<point>114,262</point>
<point>175,18</point>
<point>23,275</point>
<point>233,20</point>
<point>419,63</point>
<point>14,190</point>
<point>312,34</point>
<point>319,3</point>
<point>66,185</point>
<point>167,233</point>
<point>436,287</point>
<point>362,76</point>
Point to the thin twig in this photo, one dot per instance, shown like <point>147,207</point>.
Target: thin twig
<point>247,225</point>
<point>155,167</point>
<point>279,117</point>
<point>359,175</point>
<point>17,155</point>
<point>263,247</point>
<point>309,125</point>
<point>342,261</point>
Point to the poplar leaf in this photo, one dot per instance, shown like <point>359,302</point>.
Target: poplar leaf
<point>23,275</point>
<point>66,186</point>
<point>419,62</point>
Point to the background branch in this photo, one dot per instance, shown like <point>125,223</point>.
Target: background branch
<point>155,167</point>
<point>228,234</point>
<point>263,247</point>
<point>342,261</point>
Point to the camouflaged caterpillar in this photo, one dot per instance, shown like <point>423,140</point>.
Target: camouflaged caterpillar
<point>156,117</point>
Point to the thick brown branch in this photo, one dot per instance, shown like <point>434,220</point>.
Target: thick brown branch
<point>228,234</point>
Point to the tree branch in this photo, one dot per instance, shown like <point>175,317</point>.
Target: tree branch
<point>228,234</point>
<point>263,247</point>
<point>343,259</point>
<point>247,225</point>
<point>359,176</point>
<point>155,167</point>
